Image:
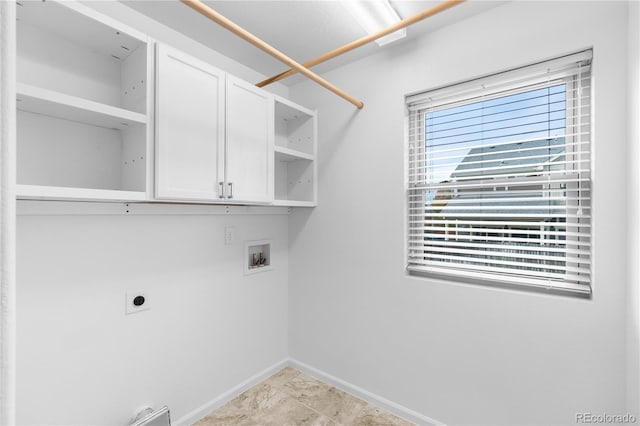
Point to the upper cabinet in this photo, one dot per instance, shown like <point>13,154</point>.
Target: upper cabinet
<point>190,98</point>
<point>104,113</point>
<point>249,171</point>
<point>214,139</point>
<point>83,121</point>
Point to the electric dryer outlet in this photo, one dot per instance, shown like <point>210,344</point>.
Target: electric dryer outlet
<point>136,301</point>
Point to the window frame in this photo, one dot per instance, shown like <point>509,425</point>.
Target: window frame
<point>521,83</point>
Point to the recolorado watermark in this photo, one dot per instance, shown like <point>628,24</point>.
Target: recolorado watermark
<point>590,418</point>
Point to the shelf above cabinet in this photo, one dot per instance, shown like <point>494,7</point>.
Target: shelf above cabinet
<point>41,192</point>
<point>55,104</point>
<point>288,154</point>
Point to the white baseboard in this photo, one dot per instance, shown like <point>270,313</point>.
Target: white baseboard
<point>222,399</point>
<point>357,391</point>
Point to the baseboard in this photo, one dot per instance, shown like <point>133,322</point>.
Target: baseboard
<point>222,399</point>
<point>357,391</point>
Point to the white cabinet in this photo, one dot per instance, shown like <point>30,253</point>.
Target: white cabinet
<point>250,137</point>
<point>91,103</point>
<point>190,110</point>
<point>83,121</point>
<point>214,139</point>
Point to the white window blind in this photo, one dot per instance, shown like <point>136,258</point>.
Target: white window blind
<point>498,182</point>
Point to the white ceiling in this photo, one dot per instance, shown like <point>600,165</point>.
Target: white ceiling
<point>302,29</point>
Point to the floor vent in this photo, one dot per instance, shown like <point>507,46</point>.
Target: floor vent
<point>149,417</point>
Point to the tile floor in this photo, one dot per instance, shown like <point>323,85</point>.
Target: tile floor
<point>291,398</point>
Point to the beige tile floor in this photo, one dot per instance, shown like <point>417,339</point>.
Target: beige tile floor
<point>291,398</point>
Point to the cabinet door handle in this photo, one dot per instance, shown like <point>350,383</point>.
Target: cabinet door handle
<point>221,189</point>
<point>230,190</point>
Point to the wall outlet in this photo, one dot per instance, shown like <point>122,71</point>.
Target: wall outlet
<point>229,234</point>
<point>136,301</point>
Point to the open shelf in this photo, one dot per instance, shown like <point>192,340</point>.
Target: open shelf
<point>40,192</point>
<point>295,127</point>
<point>83,125</point>
<point>294,155</point>
<point>54,104</point>
<point>66,23</point>
<point>294,181</point>
<point>55,152</point>
<point>67,48</point>
<point>286,154</point>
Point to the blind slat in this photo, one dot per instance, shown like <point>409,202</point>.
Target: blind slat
<point>506,143</point>
<point>441,164</point>
<point>416,185</point>
<point>415,239</point>
<point>451,210</point>
<point>501,252</point>
<point>460,223</point>
<point>537,247</point>
<point>503,171</point>
<point>420,200</point>
<point>520,113</point>
<point>506,265</point>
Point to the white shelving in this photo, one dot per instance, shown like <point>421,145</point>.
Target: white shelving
<point>295,127</point>
<point>82,124</point>
<point>55,104</point>
<point>61,193</point>
<point>295,155</point>
<point>69,48</point>
<point>286,154</point>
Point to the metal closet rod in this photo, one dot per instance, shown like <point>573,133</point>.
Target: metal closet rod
<point>366,39</point>
<point>205,10</point>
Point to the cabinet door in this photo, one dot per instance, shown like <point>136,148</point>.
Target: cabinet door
<point>189,127</point>
<point>250,134</point>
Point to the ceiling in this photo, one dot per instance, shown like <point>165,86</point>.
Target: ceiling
<point>302,29</point>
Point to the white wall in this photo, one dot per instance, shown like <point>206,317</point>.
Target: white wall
<point>633,164</point>
<point>461,354</point>
<point>82,361</point>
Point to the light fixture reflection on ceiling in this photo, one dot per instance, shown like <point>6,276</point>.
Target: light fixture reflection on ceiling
<point>375,15</point>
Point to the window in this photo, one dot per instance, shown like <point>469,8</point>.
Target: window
<point>498,177</point>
